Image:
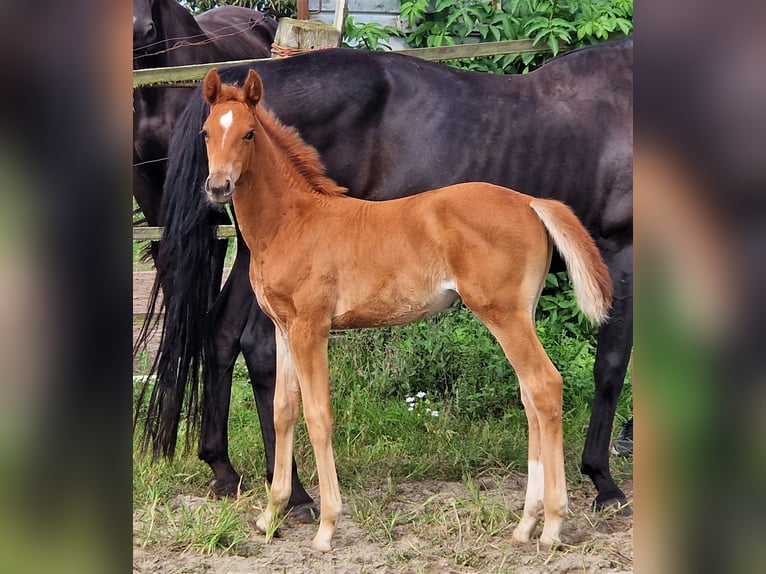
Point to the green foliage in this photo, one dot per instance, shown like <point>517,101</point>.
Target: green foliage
<point>276,8</point>
<point>368,36</point>
<point>558,306</point>
<point>555,23</point>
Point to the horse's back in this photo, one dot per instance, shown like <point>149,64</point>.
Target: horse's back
<point>473,218</point>
<point>241,32</point>
<point>563,131</point>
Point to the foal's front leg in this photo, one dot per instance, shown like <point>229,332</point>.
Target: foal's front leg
<point>286,405</point>
<point>308,343</point>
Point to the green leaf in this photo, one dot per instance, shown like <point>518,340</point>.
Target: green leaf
<point>536,24</point>
<point>626,26</point>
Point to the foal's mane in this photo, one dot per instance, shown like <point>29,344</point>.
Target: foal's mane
<point>303,157</point>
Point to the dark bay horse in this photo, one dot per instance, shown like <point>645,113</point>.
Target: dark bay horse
<point>387,125</point>
<point>317,265</point>
<point>166,34</point>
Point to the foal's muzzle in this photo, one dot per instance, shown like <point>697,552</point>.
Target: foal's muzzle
<point>219,190</point>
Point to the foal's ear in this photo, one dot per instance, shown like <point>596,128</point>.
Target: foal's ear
<point>211,86</point>
<point>253,88</point>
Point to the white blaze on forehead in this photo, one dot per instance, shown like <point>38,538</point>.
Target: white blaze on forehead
<point>226,120</point>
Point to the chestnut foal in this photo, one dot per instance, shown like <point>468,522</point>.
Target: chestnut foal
<point>317,264</point>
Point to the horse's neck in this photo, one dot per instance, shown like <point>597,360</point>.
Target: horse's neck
<point>271,193</point>
<point>180,27</point>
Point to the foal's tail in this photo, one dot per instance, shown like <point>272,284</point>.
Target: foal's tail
<point>589,275</point>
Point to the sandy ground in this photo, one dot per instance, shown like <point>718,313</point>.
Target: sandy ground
<point>440,527</point>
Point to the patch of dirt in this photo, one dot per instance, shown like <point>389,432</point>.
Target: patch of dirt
<point>430,526</point>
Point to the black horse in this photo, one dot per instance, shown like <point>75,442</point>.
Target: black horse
<point>166,34</point>
<point>388,125</point>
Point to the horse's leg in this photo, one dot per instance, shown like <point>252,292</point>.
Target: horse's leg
<point>226,322</point>
<point>287,398</point>
<point>541,391</point>
<point>542,385</point>
<point>533,500</point>
<point>308,343</point>
<point>259,349</point>
<point>615,341</point>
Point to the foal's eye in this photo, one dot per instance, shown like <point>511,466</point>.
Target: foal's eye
<point>204,135</point>
<point>249,135</point>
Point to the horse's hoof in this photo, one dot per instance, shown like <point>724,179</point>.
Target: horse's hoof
<point>231,488</point>
<point>321,545</point>
<point>618,506</point>
<point>549,541</point>
<point>261,524</point>
<point>304,514</point>
<point>520,537</point>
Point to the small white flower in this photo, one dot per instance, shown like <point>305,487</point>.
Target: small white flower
<point>411,408</point>
<point>420,394</point>
<point>434,413</point>
<point>428,411</point>
<point>409,400</point>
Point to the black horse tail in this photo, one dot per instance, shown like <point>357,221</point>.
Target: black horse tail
<point>189,280</point>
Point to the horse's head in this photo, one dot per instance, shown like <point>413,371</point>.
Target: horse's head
<point>230,132</point>
<point>144,28</point>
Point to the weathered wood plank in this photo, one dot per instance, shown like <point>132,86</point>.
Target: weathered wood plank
<point>479,49</point>
<point>181,76</point>
<point>185,76</point>
<point>155,233</point>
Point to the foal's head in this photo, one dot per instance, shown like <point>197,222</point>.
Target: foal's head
<point>229,132</point>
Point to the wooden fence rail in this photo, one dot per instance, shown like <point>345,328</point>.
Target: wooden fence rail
<point>185,76</point>
<point>144,233</point>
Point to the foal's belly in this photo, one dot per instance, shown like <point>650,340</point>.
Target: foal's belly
<point>386,310</point>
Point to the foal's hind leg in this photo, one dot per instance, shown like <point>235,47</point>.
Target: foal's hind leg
<point>541,391</point>
<point>533,500</point>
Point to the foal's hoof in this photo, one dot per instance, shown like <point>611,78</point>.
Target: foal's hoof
<point>549,541</point>
<point>304,514</point>
<point>321,545</point>
<point>262,525</point>
<point>520,536</point>
<point>616,505</point>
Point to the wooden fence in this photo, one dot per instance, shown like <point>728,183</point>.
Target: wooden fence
<point>186,76</point>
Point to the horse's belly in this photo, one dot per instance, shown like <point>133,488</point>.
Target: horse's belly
<point>382,310</point>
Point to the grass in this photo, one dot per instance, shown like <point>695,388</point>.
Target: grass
<point>449,365</point>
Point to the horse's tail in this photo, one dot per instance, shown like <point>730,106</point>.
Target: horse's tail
<point>589,275</point>
<point>185,272</point>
